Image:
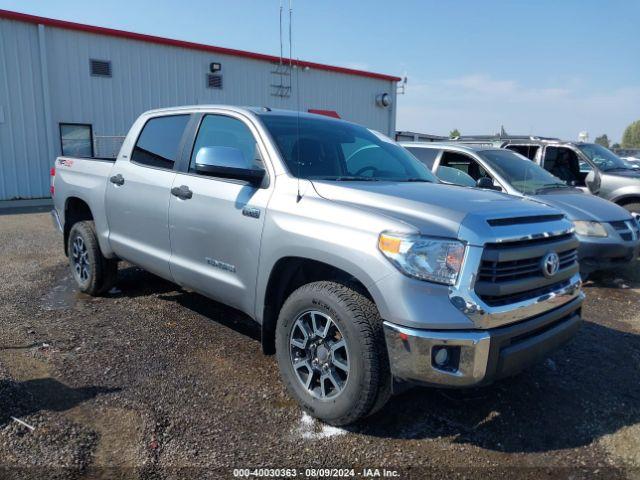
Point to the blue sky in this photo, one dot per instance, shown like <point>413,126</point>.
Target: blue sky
<point>537,67</point>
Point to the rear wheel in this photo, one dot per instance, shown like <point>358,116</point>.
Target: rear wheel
<point>331,352</point>
<point>93,273</point>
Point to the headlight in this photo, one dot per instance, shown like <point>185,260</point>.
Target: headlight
<point>432,259</point>
<point>590,229</point>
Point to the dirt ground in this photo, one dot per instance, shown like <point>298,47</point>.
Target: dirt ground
<point>155,382</point>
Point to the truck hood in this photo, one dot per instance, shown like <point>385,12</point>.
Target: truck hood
<point>433,209</point>
<point>582,206</point>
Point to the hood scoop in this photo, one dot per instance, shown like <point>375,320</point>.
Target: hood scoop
<point>502,222</point>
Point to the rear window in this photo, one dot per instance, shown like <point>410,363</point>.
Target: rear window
<point>159,143</point>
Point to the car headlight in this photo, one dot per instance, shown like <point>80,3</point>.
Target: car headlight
<point>590,229</point>
<point>432,259</point>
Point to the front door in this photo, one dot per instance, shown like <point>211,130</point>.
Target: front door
<point>216,227</point>
<point>138,193</point>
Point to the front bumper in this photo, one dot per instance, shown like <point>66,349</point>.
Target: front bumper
<point>605,253</point>
<point>482,355</point>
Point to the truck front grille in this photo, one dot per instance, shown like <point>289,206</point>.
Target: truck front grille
<point>512,272</point>
<point>627,229</point>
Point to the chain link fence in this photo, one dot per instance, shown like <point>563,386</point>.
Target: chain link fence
<point>107,146</point>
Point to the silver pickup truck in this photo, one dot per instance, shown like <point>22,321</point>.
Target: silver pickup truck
<point>365,272</point>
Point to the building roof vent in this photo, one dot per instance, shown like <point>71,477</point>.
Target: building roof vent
<point>100,68</point>
<point>214,81</point>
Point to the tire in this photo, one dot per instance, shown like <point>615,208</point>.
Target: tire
<point>367,385</point>
<point>93,273</point>
<point>632,207</point>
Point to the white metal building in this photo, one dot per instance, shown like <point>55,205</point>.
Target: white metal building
<point>75,89</point>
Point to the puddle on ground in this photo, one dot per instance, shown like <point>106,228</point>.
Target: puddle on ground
<point>23,366</point>
<point>64,295</point>
<point>120,435</point>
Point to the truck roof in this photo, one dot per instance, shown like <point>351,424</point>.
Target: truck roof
<point>450,145</point>
<point>239,109</point>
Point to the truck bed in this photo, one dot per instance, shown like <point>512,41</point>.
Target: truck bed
<point>86,179</point>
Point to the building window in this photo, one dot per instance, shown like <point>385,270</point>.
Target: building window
<point>214,81</point>
<point>100,68</point>
<point>76,140</point>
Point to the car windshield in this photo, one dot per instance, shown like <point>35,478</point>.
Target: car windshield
<point>521,173</point>
<point>604,158</point>
<point>328,149</point>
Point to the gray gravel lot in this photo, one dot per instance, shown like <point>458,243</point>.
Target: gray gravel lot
<point>155,382</point>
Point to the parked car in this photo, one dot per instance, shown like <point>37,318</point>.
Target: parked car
<point>365,273</point>
<point>588,166</point>
<point>609,236</point>
<point>632,162</point>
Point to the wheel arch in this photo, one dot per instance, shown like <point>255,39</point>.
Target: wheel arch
<point>290,273</point>
<point>75,210</point>
<point>627,199</point>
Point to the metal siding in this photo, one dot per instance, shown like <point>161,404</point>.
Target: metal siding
<point>145,76</point>
<point>23,146</point>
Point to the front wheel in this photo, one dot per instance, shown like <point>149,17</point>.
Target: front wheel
<point>93,273</point>
<point>331,352</point>
<point>632,207</point>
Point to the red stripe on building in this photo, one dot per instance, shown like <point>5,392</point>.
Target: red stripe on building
<point>328,113</point>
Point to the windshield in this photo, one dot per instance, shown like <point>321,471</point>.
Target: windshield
<point>521,173</point>
<point>326,149</point>
<point>604,158</point>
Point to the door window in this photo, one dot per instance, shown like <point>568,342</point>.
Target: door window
<point>455,176</point>
<point>159,143</point>
<point>528,151</point>
<point>564,164</point>
<point>222,131</point>
<point>76,140</point>
<point>464,163</point>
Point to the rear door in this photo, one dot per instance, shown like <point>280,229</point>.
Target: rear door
<point>216,233</point>
<point>138,192</point>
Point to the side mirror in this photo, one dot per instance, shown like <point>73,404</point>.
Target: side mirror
<point>486,182</point>
<point>227,162</point>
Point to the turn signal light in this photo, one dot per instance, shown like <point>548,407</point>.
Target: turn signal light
<point>389,244</point>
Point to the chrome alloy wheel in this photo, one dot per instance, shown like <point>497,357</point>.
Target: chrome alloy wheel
<point>319,354</point>
<point>80,258</point>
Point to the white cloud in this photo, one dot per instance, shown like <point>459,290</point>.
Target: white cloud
<point>478,103</point>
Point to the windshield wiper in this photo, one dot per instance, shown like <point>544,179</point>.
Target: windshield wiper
<point>416,180</point>
<point>551,186</point>
<point>346,178</point>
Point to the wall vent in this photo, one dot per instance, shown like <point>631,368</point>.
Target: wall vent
<point>100,68</point>
<point>214,81</point>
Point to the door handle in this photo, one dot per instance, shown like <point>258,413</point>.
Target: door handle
<point>117,179</point>
<point>182,192</point>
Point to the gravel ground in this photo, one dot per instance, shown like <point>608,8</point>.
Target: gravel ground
<point>155,382</point>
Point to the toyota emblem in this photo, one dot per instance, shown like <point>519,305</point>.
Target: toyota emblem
<point>550,264</point>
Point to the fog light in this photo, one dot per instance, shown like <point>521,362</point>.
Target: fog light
<point>445,358</point>
<point>441,357</point>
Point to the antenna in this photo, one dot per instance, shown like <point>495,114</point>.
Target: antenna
<point>298,195</point>
<point>281,33</point>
